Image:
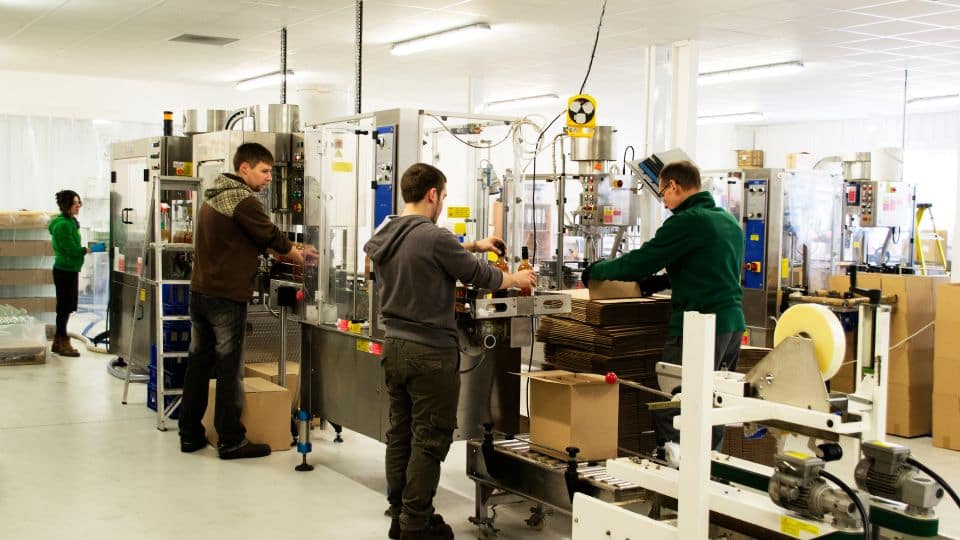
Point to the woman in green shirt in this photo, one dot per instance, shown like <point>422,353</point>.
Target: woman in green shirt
<point>69,253</point>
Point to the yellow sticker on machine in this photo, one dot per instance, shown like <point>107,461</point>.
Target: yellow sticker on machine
<point>355,328</point>
<point>461,212</point>
<point>796,528</point>
<point>342,166</point>
<point>798,455</point>
<point>363,345</point>
<point>754,237</point>
<point>143,295</point>
<point>784,268</point>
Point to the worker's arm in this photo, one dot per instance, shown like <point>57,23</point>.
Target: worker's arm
<point>64,240</point>
<point>459,263</point>
<point>671,242</point>
<point>256,224</point>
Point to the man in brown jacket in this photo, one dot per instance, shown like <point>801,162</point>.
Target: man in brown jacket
<point>233,229</point>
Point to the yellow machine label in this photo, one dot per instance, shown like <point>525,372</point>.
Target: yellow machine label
<point>143,295</point>
<point>354,328</point>
<point>460,229</point>
<point>798,455</point>
<point>754,237</point>
<point>460,212</point>
<point>342,166</point>
<point>363,345</point>
<point>795,527</point>
<point>784,268</point>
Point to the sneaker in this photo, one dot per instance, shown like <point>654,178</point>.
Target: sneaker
<point>436,530</point>
<point>394,533</point>
<point>188,446</point>
<point>246,450</point>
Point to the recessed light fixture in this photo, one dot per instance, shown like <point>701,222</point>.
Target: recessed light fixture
<point>753,72</point>
<point>439,39</point>
<point>263,80</point>
<point>949,99</point>
<point>729,118</point>
<point>520,102</point>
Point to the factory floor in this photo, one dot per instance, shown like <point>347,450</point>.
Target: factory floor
<point>75,463</point>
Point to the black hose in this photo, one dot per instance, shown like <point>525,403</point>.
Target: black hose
<point>853,496</point>
<point>946,487</point>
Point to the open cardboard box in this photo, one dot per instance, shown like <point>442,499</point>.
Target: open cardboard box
<point>266,413</point>
<point>573,409</point>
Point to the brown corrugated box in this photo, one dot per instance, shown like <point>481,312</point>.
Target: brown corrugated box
<point>946,421</point>
<point>946,366</point>
<point>271,371</point>
<point>909,410</point>
<point>573,409</point>
<point>266,413</point>
<point>750,158</point>
<point>604,290</point>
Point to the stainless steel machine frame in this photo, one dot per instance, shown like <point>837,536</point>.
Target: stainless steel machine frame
<point>353,168</point>
<point>134,167</point>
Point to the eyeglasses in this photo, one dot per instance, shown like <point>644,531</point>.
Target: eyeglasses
<point>664,190</point>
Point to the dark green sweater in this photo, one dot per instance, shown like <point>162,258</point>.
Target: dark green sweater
<point>65,235</point>
<point>701,246</point>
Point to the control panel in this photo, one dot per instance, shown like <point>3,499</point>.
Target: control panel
<point>755,221</point>
<point>296,182</point>
<point>385,172</point>
<point>588,200</point>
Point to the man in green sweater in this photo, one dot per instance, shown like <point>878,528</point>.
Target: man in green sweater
<point>701,247</point>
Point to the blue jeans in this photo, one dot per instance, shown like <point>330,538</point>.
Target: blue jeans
<point>216,347</point>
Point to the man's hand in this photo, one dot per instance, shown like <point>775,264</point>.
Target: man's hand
<point>302,256</point>
<point>524,279</point>
<point>493,243</point>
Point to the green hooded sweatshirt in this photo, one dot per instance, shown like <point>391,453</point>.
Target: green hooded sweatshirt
<point>701,246</point>
<point>65,233</point>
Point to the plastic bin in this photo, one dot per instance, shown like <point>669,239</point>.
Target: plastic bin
<point>176,299</point>
<point>152,400</point>
<point>176,336</point>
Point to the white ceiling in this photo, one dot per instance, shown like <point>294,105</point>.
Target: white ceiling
<point>855,50</point>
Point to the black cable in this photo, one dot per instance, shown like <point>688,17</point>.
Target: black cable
<point>946,487</point>
<point>853,496</point>
<point>633,155</point>
<point>593,54</point>
<point>483,358</point>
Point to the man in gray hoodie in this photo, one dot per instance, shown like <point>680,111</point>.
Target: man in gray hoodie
<point>417,266</point>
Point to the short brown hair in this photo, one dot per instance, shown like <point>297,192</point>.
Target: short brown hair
<point>251,154</point>
<point>684,173</point>
<point>418,180</point>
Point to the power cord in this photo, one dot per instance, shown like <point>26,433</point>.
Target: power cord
<point>853,497</point>
<point>536,152</point>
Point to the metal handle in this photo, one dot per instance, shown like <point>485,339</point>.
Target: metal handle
<point>124,216</point>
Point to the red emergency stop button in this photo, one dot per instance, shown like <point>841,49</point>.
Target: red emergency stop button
<point>752,266</point>
<point>300,295</point>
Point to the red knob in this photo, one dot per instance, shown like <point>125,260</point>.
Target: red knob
<point>300,296</point>
<point>611,378</point>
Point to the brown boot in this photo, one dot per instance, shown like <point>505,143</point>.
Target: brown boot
<point>55,349</point>
<point>66,349</point>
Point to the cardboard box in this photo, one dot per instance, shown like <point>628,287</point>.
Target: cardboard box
<point>750,158</point>
<point>26,248</point>
<point>270,371</point>
<point>605,290</point>
<point>946,363</point>
<point>909,410</point>
<point>573,409</point>
<point>266,413</point>
<point>946,421</point>
<point>800,161</point>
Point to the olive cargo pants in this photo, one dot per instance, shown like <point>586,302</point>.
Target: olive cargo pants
<point>424,387</point>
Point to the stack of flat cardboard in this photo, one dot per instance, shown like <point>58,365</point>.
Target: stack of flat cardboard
<point>946,368</point>
<point>621,311</point>
<point>608,340</point>
<point>760,450</point>
<point>910,384</point>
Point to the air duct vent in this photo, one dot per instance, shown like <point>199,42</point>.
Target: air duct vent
<point>198,39</point>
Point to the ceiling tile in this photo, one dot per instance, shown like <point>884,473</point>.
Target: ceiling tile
<point>891,28</point>
<point>949,18</point>
<point>927,50</point>
<point>902,9</point>
<point>844,19</point>
<point>878,44</point>
<point>935,37</point>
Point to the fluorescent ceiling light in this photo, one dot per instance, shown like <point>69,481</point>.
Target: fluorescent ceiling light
<point>521,102</point>
<point>269,79</point>
<point>729,118</point>
<point>753,72</point>
<point>950,99</point>
<point>440,39</point>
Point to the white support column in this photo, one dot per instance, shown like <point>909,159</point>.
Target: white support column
<point>685,61</point>
<point>656,128</point>
<point>476,94</point>
<point>699,334</point>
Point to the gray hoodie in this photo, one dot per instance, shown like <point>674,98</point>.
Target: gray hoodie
<point>417,266</point>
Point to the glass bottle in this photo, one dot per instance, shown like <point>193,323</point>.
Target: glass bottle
<point>525,265</point>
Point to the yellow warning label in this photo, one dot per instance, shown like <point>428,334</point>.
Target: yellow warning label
<point>798,455</point>
<point>754,237</point>
<point>363,345</point>
<point>143,295</point>
<point>461,212</point>
<point>795,527</point>
<point>342,166</point>
<point>355,328</point>
<point>784,268</point>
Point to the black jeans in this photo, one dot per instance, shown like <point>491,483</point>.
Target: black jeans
<point>424,387</point>
<point>66,284</point>
<point>726,354</point>
<point>216,346</point>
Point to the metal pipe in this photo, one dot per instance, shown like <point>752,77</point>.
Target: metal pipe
<point>282,363</point>
<point>283,65</point>
<point>561,214</point>
<point>358,52</point>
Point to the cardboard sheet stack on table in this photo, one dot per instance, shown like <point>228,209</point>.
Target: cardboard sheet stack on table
<point>946,368</point>
<point>625,336</point>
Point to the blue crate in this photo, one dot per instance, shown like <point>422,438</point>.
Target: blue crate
<point>176,336</point>
<point>176,299</point>
<point>152,400</point>
<point>172,378</point>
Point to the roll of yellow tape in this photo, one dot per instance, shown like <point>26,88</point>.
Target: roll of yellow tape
<point>822,326</point>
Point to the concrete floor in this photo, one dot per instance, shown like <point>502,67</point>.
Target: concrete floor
<point>75,463</point>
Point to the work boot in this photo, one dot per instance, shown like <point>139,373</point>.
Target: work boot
<point>246,449</point>
<point>56,345</point>
<point>66,349</point>
<point>436,530</point>
<point>394,533</point>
